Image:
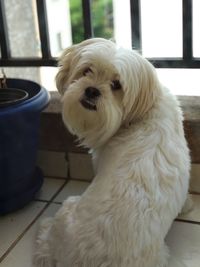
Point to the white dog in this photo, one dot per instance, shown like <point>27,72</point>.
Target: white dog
<point>114,103</point>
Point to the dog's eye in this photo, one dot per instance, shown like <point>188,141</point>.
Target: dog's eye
<point>86,71</point>
<point>116,85</point>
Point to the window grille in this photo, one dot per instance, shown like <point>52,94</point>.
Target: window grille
<point>46,59</point>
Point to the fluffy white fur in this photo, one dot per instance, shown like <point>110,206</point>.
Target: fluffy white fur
<point>141,163</point>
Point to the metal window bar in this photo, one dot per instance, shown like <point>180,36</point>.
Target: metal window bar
<point>187,61</point>
<point>135,24</point>
<point>87,20</point>
<point>5,47</point>
<point>187,30</point>
<point>43,28</point>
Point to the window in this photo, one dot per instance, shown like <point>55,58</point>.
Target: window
<point>34,32</point>
<point>161,28</point>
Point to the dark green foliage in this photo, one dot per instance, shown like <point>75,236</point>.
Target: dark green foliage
<point>102,19</point>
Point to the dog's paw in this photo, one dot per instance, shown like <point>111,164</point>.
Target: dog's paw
<point>71,201</point>
<point>42,253</point>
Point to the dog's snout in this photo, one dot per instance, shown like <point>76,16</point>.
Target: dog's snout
<point>92,92</point>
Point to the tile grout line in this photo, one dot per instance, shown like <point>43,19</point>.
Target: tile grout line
<point>56,177</point>
<point>57,202</point>
<point>80,180</point>
<point>41,200</point>
<point>32,222</point>
<point>194,193</point>
<point>187,221</point>
<point>48,201</point>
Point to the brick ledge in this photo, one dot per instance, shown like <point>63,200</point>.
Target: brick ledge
<point>55,137</point>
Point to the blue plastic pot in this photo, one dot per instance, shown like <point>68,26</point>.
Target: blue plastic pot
<point>20,179</point>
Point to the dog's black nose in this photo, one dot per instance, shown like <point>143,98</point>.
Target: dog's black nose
<point>92,92</point>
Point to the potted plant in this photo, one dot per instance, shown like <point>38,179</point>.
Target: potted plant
<point>21,102</point>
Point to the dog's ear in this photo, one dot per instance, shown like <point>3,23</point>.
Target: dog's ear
<point>68,60</point>
<point>142,93</point>
<point>65,63</point>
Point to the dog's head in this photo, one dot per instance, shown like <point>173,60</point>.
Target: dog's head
<point>104,88</point>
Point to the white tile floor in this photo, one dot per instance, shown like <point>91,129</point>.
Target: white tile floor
<point>17,230</point>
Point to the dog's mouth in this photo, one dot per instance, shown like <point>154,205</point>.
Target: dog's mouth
<point>88,104</point>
